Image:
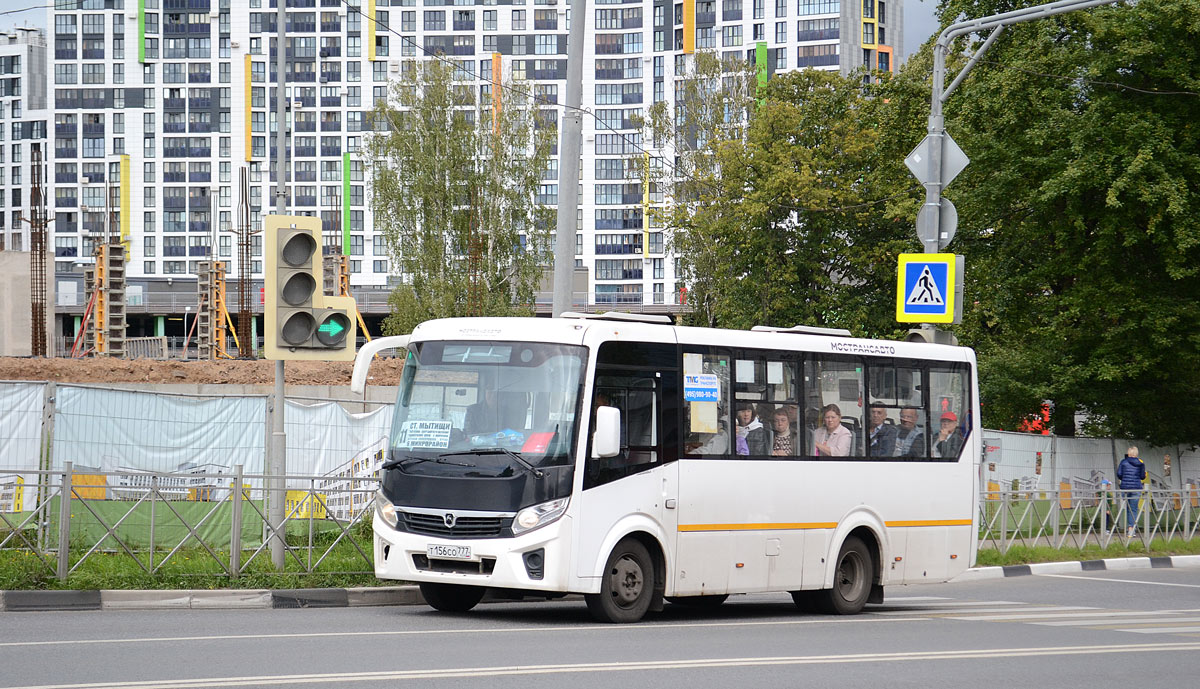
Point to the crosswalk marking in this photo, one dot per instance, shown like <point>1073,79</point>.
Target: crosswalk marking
<point>1182,621</point>
<point>1162,617</point>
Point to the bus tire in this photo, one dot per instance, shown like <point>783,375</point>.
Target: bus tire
<point>852,580</point>
<point>627,586</point>
<point>451,597</point>
<point>699,602</point>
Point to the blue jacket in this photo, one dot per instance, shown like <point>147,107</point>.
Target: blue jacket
<point>1131,473</point>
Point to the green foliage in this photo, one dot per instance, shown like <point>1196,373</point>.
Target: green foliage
<point>454,187</point>
<point>1078,218</point>
<point>779,218</point>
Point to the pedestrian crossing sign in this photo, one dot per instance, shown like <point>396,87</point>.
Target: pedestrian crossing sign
<point>929,288</point>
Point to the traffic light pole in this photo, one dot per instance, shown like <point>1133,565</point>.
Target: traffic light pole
<point>277,461</point>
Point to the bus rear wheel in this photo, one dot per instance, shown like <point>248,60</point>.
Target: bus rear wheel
<point>626,586</point>
<point>851,580</point>
<point>451,597</point>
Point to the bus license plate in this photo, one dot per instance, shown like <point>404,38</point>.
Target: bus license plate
<point>450,552</point>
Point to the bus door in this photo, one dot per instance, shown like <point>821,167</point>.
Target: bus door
<point>639,484</point>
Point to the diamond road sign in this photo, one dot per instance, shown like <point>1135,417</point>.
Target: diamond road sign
<point>953,160</point>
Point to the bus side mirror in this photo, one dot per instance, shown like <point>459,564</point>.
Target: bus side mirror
<point>606,441</point>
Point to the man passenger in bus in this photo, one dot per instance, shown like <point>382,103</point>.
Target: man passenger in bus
<point>948,441</point>
<point>751,436</point>
<point>910,442</point>
<point>883,435</point>
<point>833,439</point>
<point>784,444</point>
<point>484,415</point>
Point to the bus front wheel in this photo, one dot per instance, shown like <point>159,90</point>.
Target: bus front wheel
<point>851,580</point>
<point>627,585</point>
<point>451,597</point>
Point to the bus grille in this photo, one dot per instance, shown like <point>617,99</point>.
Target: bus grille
<point>464,527</point>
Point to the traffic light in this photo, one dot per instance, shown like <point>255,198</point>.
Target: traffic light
<point>301,321</point>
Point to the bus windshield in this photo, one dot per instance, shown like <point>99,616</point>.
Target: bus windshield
<point>502,399</point>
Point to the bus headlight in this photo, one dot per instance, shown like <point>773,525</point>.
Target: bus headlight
<point>539,515</point>
<point>385,509</point>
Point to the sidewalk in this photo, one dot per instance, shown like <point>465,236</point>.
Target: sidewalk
<point>30,601</point>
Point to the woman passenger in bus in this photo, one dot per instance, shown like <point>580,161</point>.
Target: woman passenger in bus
<point>751,436</point>
<point>832,439</point>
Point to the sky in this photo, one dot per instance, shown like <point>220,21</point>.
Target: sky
<point>919,24</point>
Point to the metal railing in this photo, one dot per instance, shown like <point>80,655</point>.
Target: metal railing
<point>1079,518</point>
<point>156,520</point>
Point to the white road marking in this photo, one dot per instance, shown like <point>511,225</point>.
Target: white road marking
<point>627,666</point>
<point>1160,630</point>
<point>955,610</point>
<point>1122,581</point>
<point>1051,615</point>
<point>1145,620</point>
<point>624,629</point>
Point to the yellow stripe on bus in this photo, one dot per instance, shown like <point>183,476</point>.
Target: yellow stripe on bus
<point>788,526</point>
<point>757,527</point>
<point>931,522</point>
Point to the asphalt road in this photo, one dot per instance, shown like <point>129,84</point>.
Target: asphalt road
<point>1096,629</point>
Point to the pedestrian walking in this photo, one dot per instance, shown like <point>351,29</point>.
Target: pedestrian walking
<point>1131,472</point>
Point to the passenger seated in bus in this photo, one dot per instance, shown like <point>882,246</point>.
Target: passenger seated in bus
<point>948,441</point>
<point>751,436</point>
<point>784,443</point>
<point>833,439</point>
<point>910,442</point>
<point>883,434</point>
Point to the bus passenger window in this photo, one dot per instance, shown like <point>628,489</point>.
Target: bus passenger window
<point>949,396</point>
<point>834,386</point>
<point>706,405</point>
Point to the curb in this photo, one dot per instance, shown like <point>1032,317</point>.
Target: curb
<point>1110,564</point>
<point>372,596</point>
<point>30,601</point>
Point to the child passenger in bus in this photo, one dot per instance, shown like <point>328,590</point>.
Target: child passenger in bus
<point>751,436</point>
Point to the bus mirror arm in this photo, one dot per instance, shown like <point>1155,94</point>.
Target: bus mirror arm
<point>362,362</point>
<point>606,441</point>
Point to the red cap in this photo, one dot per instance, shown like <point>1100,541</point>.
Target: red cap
<point>950,415</point>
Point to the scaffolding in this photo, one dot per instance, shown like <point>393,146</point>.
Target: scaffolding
<point>105,281</point>
<point>210,313</point>
<point>37,257</point>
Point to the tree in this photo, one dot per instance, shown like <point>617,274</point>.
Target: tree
<point>783,220</point>
<point>1078,218</point>
<point>454,190</point>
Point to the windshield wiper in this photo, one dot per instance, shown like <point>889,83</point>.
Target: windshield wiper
<point>413,459</point>
<point>494,450</point>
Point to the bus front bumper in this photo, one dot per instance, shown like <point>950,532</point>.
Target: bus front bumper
<point>535,561</point>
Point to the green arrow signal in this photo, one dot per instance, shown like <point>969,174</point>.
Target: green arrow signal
<point>331,327</point>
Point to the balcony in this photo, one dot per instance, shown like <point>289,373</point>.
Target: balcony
<point>331,150</point>
<point>66,130</point>
<point>65,53</point>
<point>306,151</point>
<point>175,203</point>
<point>334,126</point>
<point>172,177</point>
<point>204,152</point>
<point>66,153</point>
<point>65,178</point>
<point>331,102</point>
<point>173,104</point>
<point>93,130</point>
<point>306,201</point>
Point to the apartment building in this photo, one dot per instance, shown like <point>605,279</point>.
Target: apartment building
<point>159,104</point>
<point>23,117</point>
